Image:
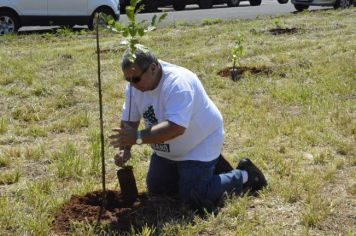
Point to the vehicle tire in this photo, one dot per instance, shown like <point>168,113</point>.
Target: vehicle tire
<point>233,3</point>
<point>205,4</point>
<point>342,4</point>
<point>122,8</point>
<point>300,7</point>
<point>282,1</point>
<point>255,2</point>
<point>9,22</point>
<point>150,5</point>
<point>178,5</point>
<point>123,5</point>
<point>105,10</point>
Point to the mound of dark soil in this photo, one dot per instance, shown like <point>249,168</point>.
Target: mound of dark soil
<point>278,31</point>
<point>118,215</point>
<point>226,72</point>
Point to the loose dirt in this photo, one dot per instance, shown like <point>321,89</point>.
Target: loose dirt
<point>118,215</point>
<point>226,72</point>
<point>278,31</point>
<point>122,214</point>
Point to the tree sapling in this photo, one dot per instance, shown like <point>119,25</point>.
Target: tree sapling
<point>278,23</point>
<point>132,33</point>
<point>134,30</point>
<point>237,52</point>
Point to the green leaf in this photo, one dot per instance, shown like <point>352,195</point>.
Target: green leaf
<point>132,31</point>
<point>133,41</point>
<point>111,22</point>
<point>238,50</point>
<point>130,13</point>
<point>134,2</point>
<point>141,31</point>
<point>153,21</point>
<point>125,32</point>
<point>119,26</point>
<point>142,22</point>
<point>140,9</point>
<point>162,17</point>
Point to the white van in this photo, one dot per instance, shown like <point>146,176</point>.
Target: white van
<point>17,13</point>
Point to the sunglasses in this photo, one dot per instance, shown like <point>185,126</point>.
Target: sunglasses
<point>136,79</point>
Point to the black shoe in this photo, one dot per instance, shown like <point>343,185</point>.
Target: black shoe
<point>222,166</point>
<point>256,180</point>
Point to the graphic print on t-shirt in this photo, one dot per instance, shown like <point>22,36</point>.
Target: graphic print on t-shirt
<point>150,116</point>
<point>150,119</point>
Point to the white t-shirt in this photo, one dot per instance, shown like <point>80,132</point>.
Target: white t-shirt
<point>179,98</point>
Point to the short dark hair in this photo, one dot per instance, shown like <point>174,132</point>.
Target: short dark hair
<point>143,59</point>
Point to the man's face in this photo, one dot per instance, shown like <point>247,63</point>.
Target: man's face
<point>142,79</point>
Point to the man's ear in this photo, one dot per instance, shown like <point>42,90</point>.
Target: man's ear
<point>154,67</point>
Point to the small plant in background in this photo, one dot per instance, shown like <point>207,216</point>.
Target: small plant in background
<point>237,52</point>
<point>133,31</point>
<point>281,28</point>
<point>277,22</point>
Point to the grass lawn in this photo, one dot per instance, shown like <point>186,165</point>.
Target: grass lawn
<point>297,122</point>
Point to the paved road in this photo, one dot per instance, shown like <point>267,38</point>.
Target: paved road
<point>244,11</point>
<point>193,13</point>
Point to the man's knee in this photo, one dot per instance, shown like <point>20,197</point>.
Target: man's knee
<point>157,186</point>
<point>197,202</point>
<point>188,190</point>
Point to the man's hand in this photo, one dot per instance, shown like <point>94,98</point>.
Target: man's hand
<point>123,137</point>
<point>122,157</point>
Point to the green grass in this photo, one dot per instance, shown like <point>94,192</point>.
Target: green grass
<point>67,163</point>
<point>297,123</point>
<point>4,162</point>
<point>9,177</point>
<point>3,125</point>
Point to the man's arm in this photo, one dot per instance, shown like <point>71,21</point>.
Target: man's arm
<point>129,124</point>
<point>127,134</point>
<point>161,132</point>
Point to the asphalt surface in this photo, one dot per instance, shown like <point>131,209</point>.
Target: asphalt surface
<point>244,11</point>
<point>193,13</point>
